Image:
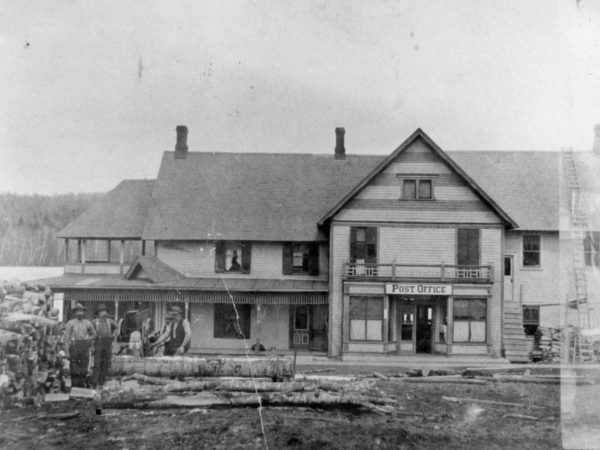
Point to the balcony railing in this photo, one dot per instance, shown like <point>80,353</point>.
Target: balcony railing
<point>430,272</point>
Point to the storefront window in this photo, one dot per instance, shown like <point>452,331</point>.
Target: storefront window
<point>366,319</point>
<point>470,320</point>
<point>228,324</point>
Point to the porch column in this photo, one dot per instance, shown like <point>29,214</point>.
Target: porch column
<point>66,251</point>
<point>386,317</point>
<point>121,256</point>
<point>143,248</point>
<point>258,313</point>
<point>116,314</point>
<point>82,248</point>
<point>346,322</point>
<point>450,324</point>
<point>108,257</point>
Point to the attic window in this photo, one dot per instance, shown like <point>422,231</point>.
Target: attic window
<point>417,189</point>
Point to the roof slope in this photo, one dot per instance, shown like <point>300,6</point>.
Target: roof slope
<point>152,267</point>
<point>119,214</point>
<point>524,183</point>
<point>249,196</point>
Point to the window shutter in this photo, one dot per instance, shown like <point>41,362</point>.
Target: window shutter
<point>246,256</point>
<point>467,252</point>
<point>313,259</point>
<point>353,244</point>
<point>371,256</point>
<point>220,256</point>
<point>288,263</point>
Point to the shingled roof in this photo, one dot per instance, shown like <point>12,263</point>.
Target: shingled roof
<point>120,214</point>
<point>154,269</point>
<point>524,183</point>
<point>250,196</point>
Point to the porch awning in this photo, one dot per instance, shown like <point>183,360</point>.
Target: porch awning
<point>159,296</point>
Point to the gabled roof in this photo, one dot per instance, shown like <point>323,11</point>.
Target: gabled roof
<point>420,134</point>
<point>120,214</point>
<point>249,196</point>
<point>153,269</point>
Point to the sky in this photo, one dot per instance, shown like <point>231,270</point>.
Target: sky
<point>91,91</point>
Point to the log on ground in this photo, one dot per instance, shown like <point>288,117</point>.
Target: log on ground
<point>189,366</point>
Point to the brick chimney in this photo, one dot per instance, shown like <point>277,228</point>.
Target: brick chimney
<point>340,150</point>
<point>181,146</point>
<point>597,139</point>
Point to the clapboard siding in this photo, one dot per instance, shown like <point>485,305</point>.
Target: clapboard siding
<point>421,205</point>
<point>441,193</point>
<point>491,253</point>
<point>197,259</point>
<point>417,245</point>
<point>537,286</point>
<point>414,215</point>
<point>274,328</point>
<point>340,253</point>
<point>394,179</point>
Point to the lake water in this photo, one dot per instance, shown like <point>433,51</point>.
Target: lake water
<point>27,273</point>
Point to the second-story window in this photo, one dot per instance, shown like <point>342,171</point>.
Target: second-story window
<point>531,250</point>
<point>363,245</point>
<point>300,258</point>
<point>591,248</point>
<point>233,257</point>
<point>467,251</point>
<point>417,189</point>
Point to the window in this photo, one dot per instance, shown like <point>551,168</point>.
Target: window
<point>531,250</point>
<point>417,189</point>
<point>531,319</point>
<point>229,326</point>
<point>232,257</point>
<point>366,319</point>
<point>591,248</point>
<point>363,245</point>
<point>300,259</point>
<point>469,320</point>
<point>467,252</point>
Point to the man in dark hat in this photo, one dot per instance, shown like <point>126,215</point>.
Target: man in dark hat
<point>79,333</point>
<point>105,331</point>
<point>178,336</point>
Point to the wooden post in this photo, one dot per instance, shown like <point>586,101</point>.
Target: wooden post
<point>443,271</point>
<point>143,248</point>
<point>82,248</point>
<point>449,324</point>
<point>67,251</point>
<point>121,256</point>
<point>386,317</point>
<point>116,316</point>
<point>257,343</point>
<point>109,250</point>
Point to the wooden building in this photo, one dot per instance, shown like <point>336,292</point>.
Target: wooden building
<point>420,251</point>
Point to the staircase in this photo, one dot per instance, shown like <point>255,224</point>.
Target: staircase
<point>516,344</point>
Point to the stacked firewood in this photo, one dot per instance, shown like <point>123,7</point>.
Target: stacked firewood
<point>32,354</point>
<point>550,343</point>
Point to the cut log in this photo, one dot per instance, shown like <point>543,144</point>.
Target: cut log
<point>520,416</point>
<point>443,379</point>
<point>245,385</point>
<point>188,366</point>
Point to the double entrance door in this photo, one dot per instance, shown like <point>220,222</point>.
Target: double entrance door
<point>308,327</point>
<point>415,327</point>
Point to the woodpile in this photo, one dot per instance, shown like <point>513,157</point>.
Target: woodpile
<point>32,354</point>
<point>189,366</point>
<point>550,343</point>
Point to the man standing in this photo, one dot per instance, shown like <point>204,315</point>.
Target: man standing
<point>79,332</point>
<point>178,335</point>
<point>105,331</point>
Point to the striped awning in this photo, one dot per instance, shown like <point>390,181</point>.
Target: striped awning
<point>131,295</point>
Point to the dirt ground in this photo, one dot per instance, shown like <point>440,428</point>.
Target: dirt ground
<point>423,420</point>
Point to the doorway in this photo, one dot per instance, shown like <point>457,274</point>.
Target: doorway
<point>424,333</point>
<point>308,327</point>
<point>509,277</point>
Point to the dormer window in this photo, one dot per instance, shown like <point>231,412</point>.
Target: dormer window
<point>417,189</point>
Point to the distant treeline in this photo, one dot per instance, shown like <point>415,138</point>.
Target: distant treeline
<point>29,224</point>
